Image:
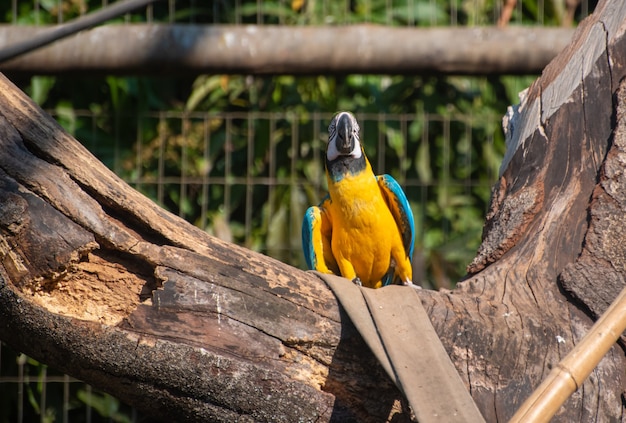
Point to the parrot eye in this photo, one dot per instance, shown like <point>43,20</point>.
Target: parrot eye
<point>332,130</point>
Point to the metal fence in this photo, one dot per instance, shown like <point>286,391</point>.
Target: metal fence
<point>248,176</point>
<point>262,170</point>
<point>288,12</point>
<point>31,392</point>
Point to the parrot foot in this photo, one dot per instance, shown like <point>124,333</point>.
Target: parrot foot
<point>412,285</point>
<point>357,281</point>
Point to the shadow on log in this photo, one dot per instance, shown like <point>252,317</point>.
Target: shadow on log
<point>99,282</point>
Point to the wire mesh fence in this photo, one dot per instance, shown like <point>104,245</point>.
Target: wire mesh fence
<point>247,175</point>
<point>31,392</point>
<point>289,12</point>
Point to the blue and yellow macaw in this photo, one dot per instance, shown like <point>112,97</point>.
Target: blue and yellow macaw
<point>363,230</point>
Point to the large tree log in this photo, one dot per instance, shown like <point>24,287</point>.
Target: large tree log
<point>99,282</point>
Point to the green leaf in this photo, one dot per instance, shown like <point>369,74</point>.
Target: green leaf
<point>104,404</point>
<point>66,116</point>
<point>40,86</point>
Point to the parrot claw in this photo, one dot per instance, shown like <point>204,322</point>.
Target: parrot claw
<point>412,285</point>
<point>357,281</point>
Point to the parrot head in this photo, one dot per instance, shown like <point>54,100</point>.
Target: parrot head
<point>344,153</point>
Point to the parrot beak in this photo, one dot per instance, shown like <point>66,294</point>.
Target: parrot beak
<point>343,137</point>
<point>345,134</point>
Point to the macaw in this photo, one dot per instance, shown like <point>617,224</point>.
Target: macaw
<point>363,229</point>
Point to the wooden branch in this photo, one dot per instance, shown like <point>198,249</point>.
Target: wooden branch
<point>193,49</point>
<point>99,282</point>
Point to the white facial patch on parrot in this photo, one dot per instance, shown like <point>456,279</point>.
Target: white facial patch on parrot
<point>332,153</point>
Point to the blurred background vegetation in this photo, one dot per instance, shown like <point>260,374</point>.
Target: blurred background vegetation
<point>241,156</point>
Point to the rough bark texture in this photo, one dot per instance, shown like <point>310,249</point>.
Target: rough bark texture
<point>191,49</point>
<point>188,327</point>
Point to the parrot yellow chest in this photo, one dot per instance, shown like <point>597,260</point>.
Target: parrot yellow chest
<point>363,228</point>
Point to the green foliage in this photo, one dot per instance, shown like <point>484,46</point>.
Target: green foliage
<point>304,12</point>
<point>105,405</point>
<point>33,397</point>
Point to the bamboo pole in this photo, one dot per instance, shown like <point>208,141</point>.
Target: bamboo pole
<point>570,373</point>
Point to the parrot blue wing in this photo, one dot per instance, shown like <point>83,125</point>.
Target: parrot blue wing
<point>309,225</point>
<point>316,234</point>
<point>402,214</point>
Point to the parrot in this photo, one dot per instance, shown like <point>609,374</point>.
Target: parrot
<point>363,229</point>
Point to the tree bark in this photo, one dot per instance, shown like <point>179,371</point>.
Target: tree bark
<point>101,283</point>
<point>249,49</point>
